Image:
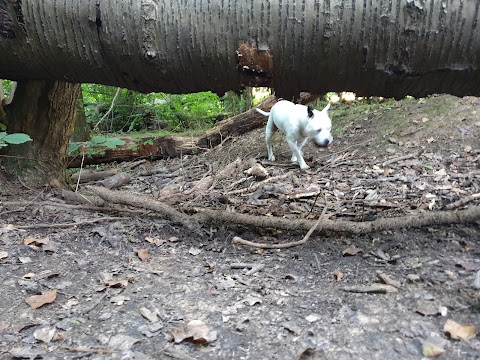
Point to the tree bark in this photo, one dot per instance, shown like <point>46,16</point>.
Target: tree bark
<point>81,130</point>
<point>45,111</point>
<point>390,48</point>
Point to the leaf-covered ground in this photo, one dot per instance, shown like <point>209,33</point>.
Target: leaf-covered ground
<point>117,282</point>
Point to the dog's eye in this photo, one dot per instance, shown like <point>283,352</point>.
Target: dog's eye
<point>319,130</point>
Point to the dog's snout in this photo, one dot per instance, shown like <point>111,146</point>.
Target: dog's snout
<point>323,143</point>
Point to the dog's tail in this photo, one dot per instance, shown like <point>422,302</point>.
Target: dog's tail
<point>262,112</point>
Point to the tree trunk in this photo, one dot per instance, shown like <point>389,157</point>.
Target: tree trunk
<point>390,48</point>
<point>81,131</point>
<point>44,110</point>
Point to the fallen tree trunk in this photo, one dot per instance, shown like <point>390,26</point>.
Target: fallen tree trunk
<point>177,146</point>
<point>217,217</point>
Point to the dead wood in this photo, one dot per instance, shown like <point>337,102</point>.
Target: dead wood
<point>116,180</point>
<point>121,197</point>
<point>76,197</point>
<point>216,217</point>
<point>318,224</point>
<point>176,146</point>
<point>341,226</point>
<point>462,202</point>
<point>86,176</point>
<point>64,225</point>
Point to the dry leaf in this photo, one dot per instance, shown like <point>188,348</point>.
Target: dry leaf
<point>25,259</point>
<point>3,325</point>
<point>28,276</point>
<point>338,275</point>
<point>252,300</point>
<point>121,342</point>
<point>194,251</point>
<point>155,241</point>
<point>141,253</point>
<point>149,315</point>
<point>467,149</point>
<point>258,171</point>
<point>196,331</point>
<point>427,310</point>
<point>313,317</point>
<point>51,246</point>
<point>28,241</point>
<point>459,332</point>
<point>44,334</point>
<point>3,255</point>
<point>119,299</point>
<point>351,251</point>
<point>433,347</point>
<point>36,301</point>
<point>430,140</point>
<point>424,120</point>
<point>387,279</point>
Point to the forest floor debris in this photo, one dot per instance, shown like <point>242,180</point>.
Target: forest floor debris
<point>135,284</point>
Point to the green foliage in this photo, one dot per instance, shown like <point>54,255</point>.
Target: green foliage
<point>96,145</point>
<point>134,111</point>
<point>12,139</point>
<point>7,86</point>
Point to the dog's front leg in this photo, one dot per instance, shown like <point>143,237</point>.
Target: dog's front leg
<point>297,154</point>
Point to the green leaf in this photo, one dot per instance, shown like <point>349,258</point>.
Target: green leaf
<point>73,148</point>
<point>98,140</point>
<point>3,127</point>
<point>112,143</point>
<point>17,138</point>
<point>2,135</point>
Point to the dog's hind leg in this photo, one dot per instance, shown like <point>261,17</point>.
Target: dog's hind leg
<point>269,132</point>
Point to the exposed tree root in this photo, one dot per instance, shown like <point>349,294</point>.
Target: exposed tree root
<point>342,226</point>
<point>216,217</point>
<point>145,202</point>
<point>317,224</point>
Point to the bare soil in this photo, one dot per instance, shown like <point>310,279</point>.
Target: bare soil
<point>127,284</point>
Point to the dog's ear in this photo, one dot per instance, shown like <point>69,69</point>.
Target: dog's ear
<point>310,111</point>
<point>325,109</point>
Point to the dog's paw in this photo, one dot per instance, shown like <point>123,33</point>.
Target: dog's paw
<point>304,167</point>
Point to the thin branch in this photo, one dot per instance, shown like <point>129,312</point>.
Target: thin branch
<point>109,110</point>
<point>63,225</point>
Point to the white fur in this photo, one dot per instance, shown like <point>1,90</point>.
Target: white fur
<point>294,121</point>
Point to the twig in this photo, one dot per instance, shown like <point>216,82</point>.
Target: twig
<point>62,225</point>
<point>463,201</point>
<point>94,304</point>
<point>400,158</point>
<point>80,172</point>
<point>259,185</point>
<point>238,240</point>
<point>85,349</point>
<point>253,267</point>
<point>109,110</point>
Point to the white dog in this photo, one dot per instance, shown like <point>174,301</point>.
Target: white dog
<point>299,123</point>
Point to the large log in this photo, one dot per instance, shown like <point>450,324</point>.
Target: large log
<point>155,148</point>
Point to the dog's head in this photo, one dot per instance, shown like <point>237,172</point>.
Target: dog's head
<point>319,126</point>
